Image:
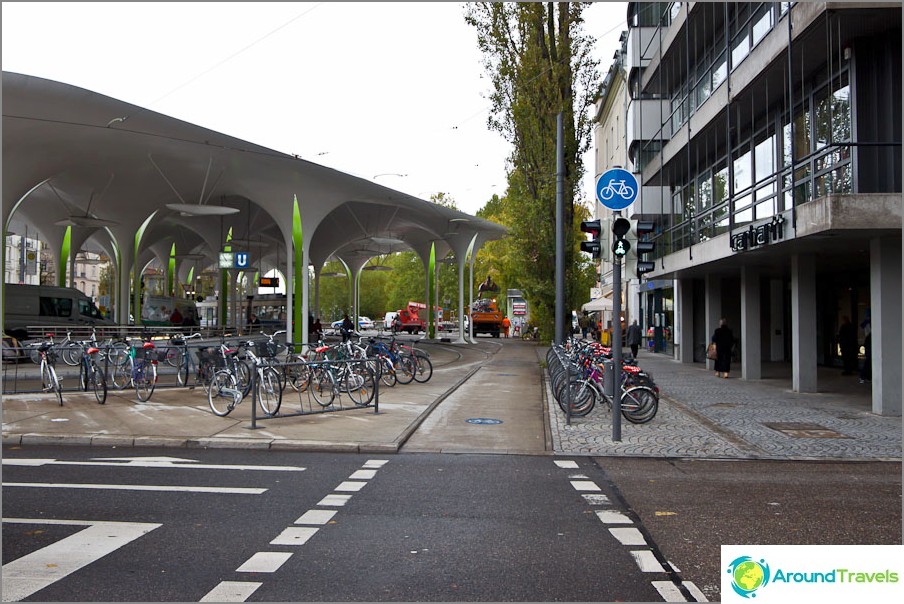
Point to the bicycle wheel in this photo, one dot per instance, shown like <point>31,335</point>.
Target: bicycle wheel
<point>71,353</point>
<point>405,369</point>
<point>83,377</point>
<point>221,393</point>
<point>269,390</point>
<point>99,385</point>
<point>639,404</point>
<point>173,356</point>
<point>387,373</point>
<point>182,371</point>
<point>243,377</point>
<point>145,381</point>
<point>583,397</point>
<point>322,385</point>
<point>424,368</point>
<point>122,372</point>
<point>359,383</point>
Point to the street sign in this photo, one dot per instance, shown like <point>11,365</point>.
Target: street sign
<point>242,260</point>
<point>616,189</point>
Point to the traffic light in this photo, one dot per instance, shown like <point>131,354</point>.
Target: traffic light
<point>620,228</point>
<point>643,228</point>
<point>593,246</point>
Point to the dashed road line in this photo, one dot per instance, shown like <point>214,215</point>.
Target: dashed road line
<point>620,526</point>
<point>239,591</point>
<point>136,487</point>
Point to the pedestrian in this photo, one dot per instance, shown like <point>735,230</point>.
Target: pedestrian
<point>318,329</point>
<point>346,328</point>
<point>847,341</point>
<point>634,337</point>
<point>253,320</point>
<point>866,372</point>
<point>506,324</point>
<point>176,317</point>
<point>584,324</point>
<point>723,338</point>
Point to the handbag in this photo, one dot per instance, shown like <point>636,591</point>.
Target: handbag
<point>711,351</point>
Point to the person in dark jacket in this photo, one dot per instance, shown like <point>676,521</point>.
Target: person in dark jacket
<point>847,341</point>
<point>634,337</point>
<point>347,328</point>
<point>723,338</point>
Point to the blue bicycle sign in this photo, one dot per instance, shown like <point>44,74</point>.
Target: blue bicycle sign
<point>616,189</point>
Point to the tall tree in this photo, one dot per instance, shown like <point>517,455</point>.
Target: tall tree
<point>540,64</point>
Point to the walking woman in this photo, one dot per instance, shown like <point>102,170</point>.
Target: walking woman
<point>723,339</point>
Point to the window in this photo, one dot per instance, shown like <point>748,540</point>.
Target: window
<point>764,158</point>
<point>741,170</point>
<point>55,307</point>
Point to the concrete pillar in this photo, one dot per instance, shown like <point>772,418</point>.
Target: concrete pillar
<point>461,298</point>
<point>684,322</point>
<point>803,323</point>
<point>885,319</point>
<point>713,310</point>
<point>751,364</point>
<point>304,274</point>
<point>776,320</point>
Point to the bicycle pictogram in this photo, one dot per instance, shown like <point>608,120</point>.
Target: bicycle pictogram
<point>617,187</point>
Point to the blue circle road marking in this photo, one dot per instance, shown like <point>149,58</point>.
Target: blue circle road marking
<point>616,189</point>
<point>483,420</point>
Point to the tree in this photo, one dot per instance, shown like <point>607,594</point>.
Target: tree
<point>540,65</point>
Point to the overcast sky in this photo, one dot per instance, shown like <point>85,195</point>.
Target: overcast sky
<point>373,89</point>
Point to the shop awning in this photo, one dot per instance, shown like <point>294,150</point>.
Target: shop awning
<point>598,304</point>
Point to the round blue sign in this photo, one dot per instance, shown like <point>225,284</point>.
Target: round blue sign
<point>483,420</point>
<point>616,189</point>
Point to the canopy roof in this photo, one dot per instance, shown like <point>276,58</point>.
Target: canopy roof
<point>105,167</point>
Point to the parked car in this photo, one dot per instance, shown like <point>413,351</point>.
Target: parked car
<point>363,323</point>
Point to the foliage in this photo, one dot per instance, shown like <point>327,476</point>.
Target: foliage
<point>540,65</point>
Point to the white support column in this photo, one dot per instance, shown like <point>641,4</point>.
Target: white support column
<point>713,310</point>
<point>885,320</point>
<point>305,297</point>
<point>684,352</point>
<point>751,349</point>
<point>776,320</point>
<point>461,298</point>
<point>803,323</point>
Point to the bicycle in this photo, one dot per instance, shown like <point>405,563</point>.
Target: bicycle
<point>532,334</point>
<point>91,375</point>
<point>144,370</point>
<point>68,350</point>
<point>269,380</point>
<point>49,379</point>
<point>419,361</point>
<point>177,349</point>
<point>616,187</point>
<point>348,371</point>
<point>231,382</point>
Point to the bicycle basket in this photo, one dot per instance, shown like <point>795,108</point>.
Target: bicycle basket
<point>266,349</point>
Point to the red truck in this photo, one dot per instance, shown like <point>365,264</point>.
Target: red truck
<point>408,319</point>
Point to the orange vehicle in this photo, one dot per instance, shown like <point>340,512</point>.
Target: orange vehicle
<point>485,315</point>
<point>408,319</point>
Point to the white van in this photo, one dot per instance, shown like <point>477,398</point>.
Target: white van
<point>44,305</point>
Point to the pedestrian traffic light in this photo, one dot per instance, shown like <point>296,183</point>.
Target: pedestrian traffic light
<point>620,228</point>
<point>643,228</point>
<point>593,246</point>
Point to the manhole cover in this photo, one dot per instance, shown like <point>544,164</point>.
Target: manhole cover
<point>804,430</point>
<point>483,420</point>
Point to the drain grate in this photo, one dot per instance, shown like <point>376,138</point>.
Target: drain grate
<point>804,430</point>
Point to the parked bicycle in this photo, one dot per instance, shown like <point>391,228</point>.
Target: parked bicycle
<point>91,375</point>
<point>50,381</point>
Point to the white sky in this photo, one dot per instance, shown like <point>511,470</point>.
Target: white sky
<point>369,88</point>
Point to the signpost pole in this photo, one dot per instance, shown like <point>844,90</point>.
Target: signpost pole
<point>616,342</point>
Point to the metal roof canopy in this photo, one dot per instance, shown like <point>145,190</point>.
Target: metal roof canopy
<point>106,167</point>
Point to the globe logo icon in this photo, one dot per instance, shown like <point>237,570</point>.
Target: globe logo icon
<point>748,575</point>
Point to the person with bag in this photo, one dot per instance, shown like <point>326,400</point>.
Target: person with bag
<point>723,339</point>
<point>634,337</point>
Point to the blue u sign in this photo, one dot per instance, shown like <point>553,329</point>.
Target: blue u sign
<point>241,260</point>
<point>616,189</point>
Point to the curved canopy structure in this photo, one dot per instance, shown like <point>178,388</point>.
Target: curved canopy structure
<point>134,182</point>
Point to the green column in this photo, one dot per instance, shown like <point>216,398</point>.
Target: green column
<point>431,275</point>
<point>299,272</point>
<point>64,257</point>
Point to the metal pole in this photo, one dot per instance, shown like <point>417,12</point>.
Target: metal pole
<point>560,232</point>
<point>616,342</point>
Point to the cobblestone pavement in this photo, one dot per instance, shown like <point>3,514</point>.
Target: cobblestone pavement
<point>701,416</point>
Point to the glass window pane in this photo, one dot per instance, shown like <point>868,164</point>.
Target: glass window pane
<point>764,157</point>
<point>720,71</point>
<point>743,217</point>
<point>762,24</point>
<point>704,191</point>
<point>720,186</point>
<point>841,114</point>
<point>740,48</point>
<point>742,172</point>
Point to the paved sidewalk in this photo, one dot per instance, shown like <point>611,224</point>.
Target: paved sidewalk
<point>700,416</point>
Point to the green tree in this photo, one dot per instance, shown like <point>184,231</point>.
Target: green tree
<point>540,64</point>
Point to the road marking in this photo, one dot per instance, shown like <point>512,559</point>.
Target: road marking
<point>349,486</point>
<point>695,591</point>
<point>31,573</point>
<point>295,535</point>
<point>594,499</point>
<point>628,536</point>
<point>150,462</point>
<point>136,487</point>
<point>316,517</point>
<point>647,562</point>
<point>585,485</point>
<point>363,475</point>
<point>264,562</point>
<point>612,517</point>
<point>568,464</point>
<point>375,463</point>
<point>231,591</point>
<point>335,500</point>
<point>669,591</point>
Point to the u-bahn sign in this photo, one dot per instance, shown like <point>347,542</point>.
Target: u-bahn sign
<point>616,189</point>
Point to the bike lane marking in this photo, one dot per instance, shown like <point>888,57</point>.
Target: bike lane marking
<point>33,572</point>
<point>239,591</point>
<point>620,526</point>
